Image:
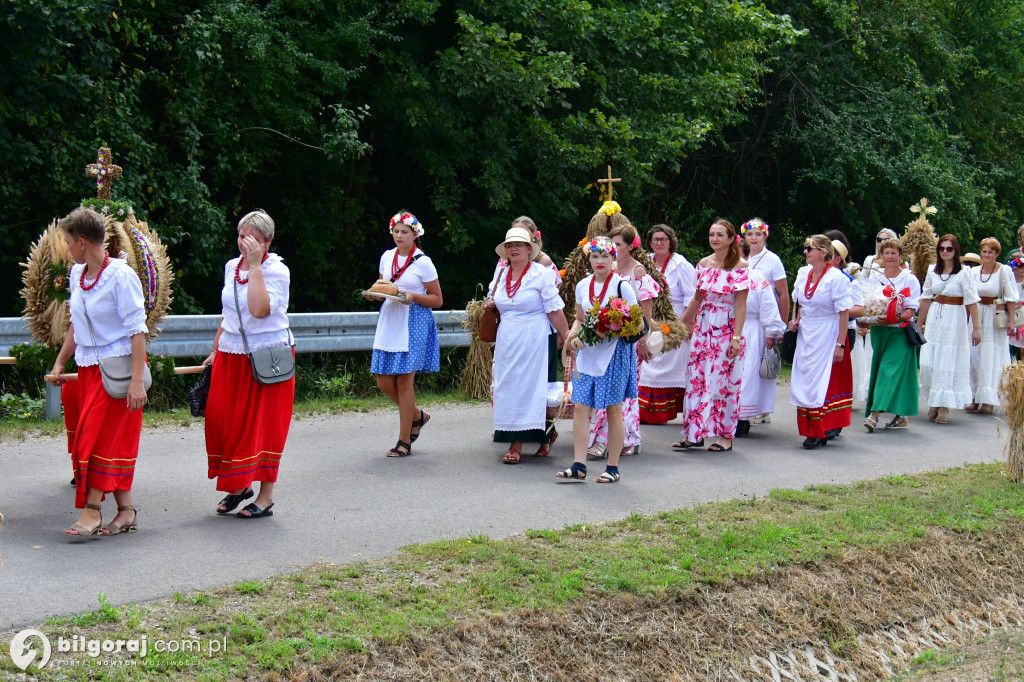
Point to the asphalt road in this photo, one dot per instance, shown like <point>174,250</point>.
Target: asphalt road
<point>340,500</point>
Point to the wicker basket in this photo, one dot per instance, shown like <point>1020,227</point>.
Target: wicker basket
<point>560,405</point>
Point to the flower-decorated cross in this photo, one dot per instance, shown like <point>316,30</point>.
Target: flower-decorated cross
<point>104,170</point>
<point>608,181</point>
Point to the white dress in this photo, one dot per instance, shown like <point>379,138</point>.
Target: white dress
<point>946,357</point>
<point>757,395</point>
<point>990,356</point>
<point>860,354</point>
<point>770,265</point>
<point>668,370</point>
<point>520,370</point>
<point>818,334</point>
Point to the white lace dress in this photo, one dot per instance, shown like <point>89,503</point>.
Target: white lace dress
<point>990,356</point>
<point>946,357</point>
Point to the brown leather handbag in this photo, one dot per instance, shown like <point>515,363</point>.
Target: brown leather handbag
<point>491,318</point>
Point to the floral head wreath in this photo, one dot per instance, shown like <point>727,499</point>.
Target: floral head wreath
<point>755,224</point>
<point>600,245</point>
<point>407,219</point>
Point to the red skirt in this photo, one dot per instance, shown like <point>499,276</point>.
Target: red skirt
<point>659,405</point>
<point>105,442</point>
<point>246,424</point>
<point>837,411</point>
<point>72,410</point>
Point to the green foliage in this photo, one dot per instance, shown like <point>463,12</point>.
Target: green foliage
<point>21,406</point>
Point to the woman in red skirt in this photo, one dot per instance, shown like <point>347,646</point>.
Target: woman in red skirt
<point>108,320</point>
<point>247,422</point>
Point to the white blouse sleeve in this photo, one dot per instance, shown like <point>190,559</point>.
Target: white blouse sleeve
<point>926,292</point>
<point>129,302</point>
<point>912,301</point>
<point>1009,289</point>
<point>276,278</point>
<point>549,291</point>
<point>773,325</point>
<point>842,296</point>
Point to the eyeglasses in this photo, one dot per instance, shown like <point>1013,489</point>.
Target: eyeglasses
<point>808,248</point>
<point>659,240</point>
<point>947,249</point>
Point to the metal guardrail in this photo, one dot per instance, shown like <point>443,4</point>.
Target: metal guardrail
<point>192,335</point>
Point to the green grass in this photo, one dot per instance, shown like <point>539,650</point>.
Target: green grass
<point>327,612</point>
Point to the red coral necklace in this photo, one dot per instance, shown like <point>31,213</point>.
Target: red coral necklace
<point>103,266</point>
<point>238,269</point>
<point>808,289</point>
<point>512,289</point>
<point>604,289</point>
<point>396,271</point>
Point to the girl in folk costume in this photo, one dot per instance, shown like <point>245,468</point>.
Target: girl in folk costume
<point>716,315</point>
<point>822,294</point>
<point>995,285</point>
<point>605,373</point>
<point>626,240</point>
<point>841,392</point>
<point>892,386</point>
<point>247,422</point>
<point>663,378</point>
<point>397,358</point>
<point>527,297</point>
<point>768,263</point>
<point>948,295</point>
<point>760,330</point>
<point>108,319</point>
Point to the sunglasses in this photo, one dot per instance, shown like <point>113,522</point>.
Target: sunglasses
<point>808,249</point>
<point>879,240</point>
<point>947,249</point>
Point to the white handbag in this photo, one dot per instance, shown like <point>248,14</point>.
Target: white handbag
<point>1002,318</point>
<point>771,363</point>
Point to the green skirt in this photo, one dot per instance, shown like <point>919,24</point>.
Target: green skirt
<point>537,435</point>
<point>893,386</point>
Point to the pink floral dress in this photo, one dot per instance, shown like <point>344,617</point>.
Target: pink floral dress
<point>646,289</point>
<point>711,405</point>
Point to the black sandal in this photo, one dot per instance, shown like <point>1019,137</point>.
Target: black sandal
<point>397,451</point>
<point>232,501</point>
<point>419,424</point>
<point>255,512</point>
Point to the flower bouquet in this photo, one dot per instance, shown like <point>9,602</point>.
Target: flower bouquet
<point>618,319</point>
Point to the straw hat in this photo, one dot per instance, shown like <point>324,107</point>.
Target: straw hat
<point>971,258</point>
<point>517,234</point>
<point>840,249</point>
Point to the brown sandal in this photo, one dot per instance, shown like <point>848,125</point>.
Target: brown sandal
<point>114,529</point>
<point>83,532</point>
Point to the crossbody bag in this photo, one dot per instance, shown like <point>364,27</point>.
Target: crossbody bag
<point>116,371</point>
<point>269,365</point>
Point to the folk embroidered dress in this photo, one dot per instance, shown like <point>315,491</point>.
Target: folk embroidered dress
<point>992,355</point>
<point>712,394</point>
<point>520,370</point>
<point>406,336</point>
<point>663,379</point>
<point>105,441</point>
<point>246,422</point>
<point>893,385</point>
<point>605,373</point>
<point>757,395</point>
<point>822,389</point>
<point>946,357</point>
<point>646,289</point>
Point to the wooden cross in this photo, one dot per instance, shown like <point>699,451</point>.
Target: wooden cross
<point>609,180</point>
<point>104,171</point>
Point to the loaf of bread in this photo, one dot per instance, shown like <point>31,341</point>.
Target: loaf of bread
<point>382,286</point>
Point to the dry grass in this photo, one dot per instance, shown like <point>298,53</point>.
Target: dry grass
<point>1011,396</point>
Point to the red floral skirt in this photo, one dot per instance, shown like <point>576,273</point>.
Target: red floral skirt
<point>246,424</point>
<point>105,440</point>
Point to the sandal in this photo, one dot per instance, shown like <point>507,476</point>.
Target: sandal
<point>113,529</point>
<point>513,456</point>
<point>630,451</point>
<point>971,407</point>
<point>717,447</point>
<point>255,512</point>
<point>545,448</point>
<point>943,413</point>
<point>685,444</point>
<point>609,476</point>
<point>418,425</point>
<point>576,472</point>
<point>984,409</point>
<point>232,501</point>
<point>401,449</point>
<point>933,413</point>
<point>598,451</point>
<point>871,423</point>
<point>82,531</point>
<point>898,422</point>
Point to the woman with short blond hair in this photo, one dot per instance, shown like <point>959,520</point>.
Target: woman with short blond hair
<point>996,287</point>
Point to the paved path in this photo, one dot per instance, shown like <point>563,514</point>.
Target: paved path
<point>340,500</point>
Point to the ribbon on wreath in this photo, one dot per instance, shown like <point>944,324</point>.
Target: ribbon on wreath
<point>895,307</point>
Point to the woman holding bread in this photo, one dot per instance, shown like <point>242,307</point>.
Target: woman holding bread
<point>406,340</point>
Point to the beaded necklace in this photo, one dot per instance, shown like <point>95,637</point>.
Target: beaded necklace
<point>604,289</point>
<point>808,289</point>
<point>668,259</point>
<point>396,271</point>
<point>238,269</point>
<point>103,266</point>
<point>512,289</point>
<point>981,274</point>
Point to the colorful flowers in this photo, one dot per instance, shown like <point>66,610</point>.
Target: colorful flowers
<point>601,245</point>
<point>610,208</point>
<point>619,319</point>
<point>664,329</point>
<point>407,219</point>
<point>754,224</point>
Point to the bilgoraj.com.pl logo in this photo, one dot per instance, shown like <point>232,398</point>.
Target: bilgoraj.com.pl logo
<point>32,647</point>
<point>24,651</point>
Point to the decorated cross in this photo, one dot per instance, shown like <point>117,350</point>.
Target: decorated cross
<point>608,181</point>
<point>104,170</point>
